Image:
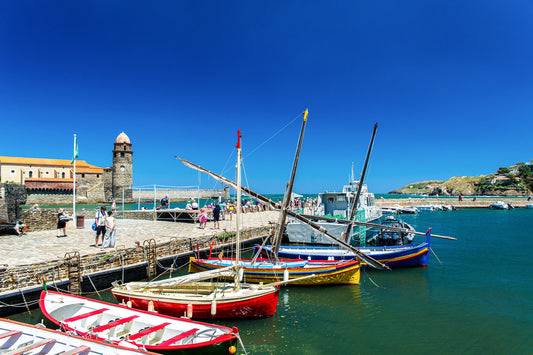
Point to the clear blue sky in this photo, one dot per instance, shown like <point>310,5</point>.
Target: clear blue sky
<point>450,84</point>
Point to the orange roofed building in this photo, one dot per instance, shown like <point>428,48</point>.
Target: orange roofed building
<point>49,177</point>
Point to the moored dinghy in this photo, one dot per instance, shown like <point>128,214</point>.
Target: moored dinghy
<point>20,338</point>
<point>119,324</point>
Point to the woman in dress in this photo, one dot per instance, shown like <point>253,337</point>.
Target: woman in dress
<point>203,217</point>
<point>110,231</point>
<point>62,219</point>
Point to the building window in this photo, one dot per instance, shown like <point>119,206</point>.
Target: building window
<point>47,173</point>
<point>122,168</point>
<point>124,146</point>
<point>115,154</point>
<point>121,154</point>
<point>12,171</point>
<point>30,174</point>
<point>62,175</point>
<point>82,175</point>
<point>97,175</point>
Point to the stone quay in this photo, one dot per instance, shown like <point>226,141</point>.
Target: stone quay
<point>144,248</point>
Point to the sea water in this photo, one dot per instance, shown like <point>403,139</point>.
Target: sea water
<point>480,300</point>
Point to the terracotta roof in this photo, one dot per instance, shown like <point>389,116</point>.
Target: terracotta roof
<point>49,162</point>
<point>48,184</point>
<point>90,169</point>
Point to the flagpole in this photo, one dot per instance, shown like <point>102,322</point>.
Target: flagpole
<point>74,182</point>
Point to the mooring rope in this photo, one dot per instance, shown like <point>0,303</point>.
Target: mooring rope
<point>436,256</point>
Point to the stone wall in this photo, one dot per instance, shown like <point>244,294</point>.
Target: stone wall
<point>18,277</point>
<point>41,219</point>
<point>13,196</point>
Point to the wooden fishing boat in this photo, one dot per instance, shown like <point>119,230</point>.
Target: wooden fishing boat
<point>189,295</point>
<point>411,255</point>
<point>122,325</point>
<point>20,338</point>
<point>268,271</point>
<point>205,300</point>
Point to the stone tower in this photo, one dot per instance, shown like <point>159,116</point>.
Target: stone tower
<point>122,167</point>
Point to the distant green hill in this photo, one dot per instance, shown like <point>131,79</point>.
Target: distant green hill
<point>464,185</point>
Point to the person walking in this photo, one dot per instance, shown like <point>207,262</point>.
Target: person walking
<point>203,217</point>
<point>110,231</point>
<point>216,216</point>
<point>100,224</point>
<point>62,219</point>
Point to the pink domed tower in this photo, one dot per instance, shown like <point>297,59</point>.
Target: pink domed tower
<point>122,167</point>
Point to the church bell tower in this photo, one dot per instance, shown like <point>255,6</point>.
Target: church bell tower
<point>122,168</point>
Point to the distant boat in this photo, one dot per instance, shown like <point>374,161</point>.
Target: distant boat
<point>20,338</point>
<point>119,324</point>
<point>529,205</point>
<point>500,205</point>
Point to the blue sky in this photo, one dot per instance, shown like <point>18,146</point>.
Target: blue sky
<point>450,84</point>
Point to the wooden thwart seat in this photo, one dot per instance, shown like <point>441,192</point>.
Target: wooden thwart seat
<point>9,334</point>
<point>114,324</point>
<point>178,337</point>
<point>85,315</point>
<point>76,351</point>
<point>148,331</point>
<point>31,346</point>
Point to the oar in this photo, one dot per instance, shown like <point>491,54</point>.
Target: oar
<point>374,225</point>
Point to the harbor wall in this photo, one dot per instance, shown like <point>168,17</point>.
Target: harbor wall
<point>467,202</point>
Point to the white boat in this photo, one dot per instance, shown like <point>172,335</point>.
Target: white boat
<point>336,205</point>
<point>500,205</point>
<point>122,325</point>
<point>20,338</point>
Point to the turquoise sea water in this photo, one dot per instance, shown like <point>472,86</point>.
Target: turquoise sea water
<point>479,301</point>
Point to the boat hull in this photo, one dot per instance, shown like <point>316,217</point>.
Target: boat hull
<point>262,306</point>
<point>392,256</point>
<point>93,319</point>
<point>16,335</point>
<point>326,272</point>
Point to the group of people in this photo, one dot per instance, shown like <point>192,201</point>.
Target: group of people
<point>106,227</point>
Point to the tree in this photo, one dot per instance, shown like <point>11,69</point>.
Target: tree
<point>524,171</point>
<point>503,171</point>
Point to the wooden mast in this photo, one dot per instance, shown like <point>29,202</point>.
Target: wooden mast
<point>369,260</point>
<point>353,211</point>
<point>238,215</point>
<point>288,192</point>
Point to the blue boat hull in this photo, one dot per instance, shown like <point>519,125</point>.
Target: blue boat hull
<point>392,256</point>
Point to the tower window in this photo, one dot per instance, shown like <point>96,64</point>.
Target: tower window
<point>122,168</point>
<point>114,154</point>
<point>124,146</point>
<point>121,154</point>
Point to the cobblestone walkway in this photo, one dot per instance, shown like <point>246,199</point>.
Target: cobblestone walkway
<point>41,246</point>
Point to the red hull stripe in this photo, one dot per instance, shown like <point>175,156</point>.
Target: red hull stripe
<point>148,331</point>
<point>114,324</point>
<point>178,337</point>
<point>85,315</point>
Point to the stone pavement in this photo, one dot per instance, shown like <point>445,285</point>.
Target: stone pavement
<point>44,246</point>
